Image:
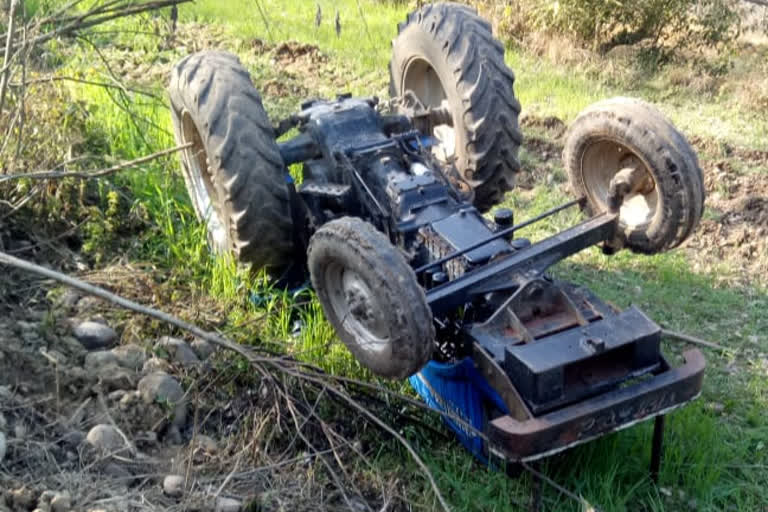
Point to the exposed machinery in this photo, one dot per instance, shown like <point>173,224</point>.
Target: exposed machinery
<point>387,220</point>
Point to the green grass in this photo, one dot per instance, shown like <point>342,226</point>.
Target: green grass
<point>716,459</point>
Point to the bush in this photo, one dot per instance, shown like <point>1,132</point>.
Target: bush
<point>603,24</point>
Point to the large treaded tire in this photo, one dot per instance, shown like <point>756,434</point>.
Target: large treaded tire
<point>645,132</point>
<point>479,87</point>
<point>371,296</point>
<point>234,172</point>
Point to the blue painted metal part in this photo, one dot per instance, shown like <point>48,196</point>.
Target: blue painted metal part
<point>460,391</point>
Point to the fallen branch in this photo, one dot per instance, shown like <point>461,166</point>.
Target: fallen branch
<point>693,339</point>
<point>46,175</point>
<point>222,342</point>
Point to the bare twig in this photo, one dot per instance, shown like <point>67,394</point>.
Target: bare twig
<point>7,56</point>
<point>693,339</point>
<point>46,175</point>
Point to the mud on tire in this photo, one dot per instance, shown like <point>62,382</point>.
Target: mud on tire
<point>599,143</point>
<point>234,172</point>
<point>370,295</point>
<point>446,52</point>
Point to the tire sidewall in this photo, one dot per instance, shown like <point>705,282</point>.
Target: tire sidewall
<point>420,45</point>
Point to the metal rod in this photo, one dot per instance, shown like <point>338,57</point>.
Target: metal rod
<point>500,234</point>
<point>657,447</point>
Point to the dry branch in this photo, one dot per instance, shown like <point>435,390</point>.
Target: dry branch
<point>46,175</point>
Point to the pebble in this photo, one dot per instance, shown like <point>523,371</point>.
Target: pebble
<point>3,447</point>
<point>161,387</point>
<point>95,361</point>
<point>155,364</point>
<point>228,505</point>
<point>132,357</point>
<point>202,348</point>
<point>179,351</point>
<point>72,346</point>
<point>173,486</point>
<point>61,502</point>
<point>105,438</point>
<point>117,471</point>
<point>19,431</point>
<point>73,438</point>
<point>95,336</point>
<point>206,443</point>
<point>21,498</point>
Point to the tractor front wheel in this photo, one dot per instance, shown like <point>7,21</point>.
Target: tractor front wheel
<point>629,136</point>
<point>370,295</point>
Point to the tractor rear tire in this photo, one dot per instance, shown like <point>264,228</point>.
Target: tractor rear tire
<point>619,132</point>
<point>446,54</point>
<point>371,296</point>
<point>233,171</point>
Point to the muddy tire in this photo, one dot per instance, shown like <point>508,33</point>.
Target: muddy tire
<point>447,55</point>
<point>370,295</point>
<point>624,132</point>
<point>234,172</point>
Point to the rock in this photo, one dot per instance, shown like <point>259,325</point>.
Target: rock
<point>21,498</point>
<point>5,393</point>
<point>72,346</point>
<point>155,364</point>
<point>88,304</point>
<point>117,471</point>
<point>228,505</point>
<point>128,400</point>
<point>95,361</point>
<point>95,336</point>
<point>3,422</point>
<point>113,377</point>
<point>206,443</point>
<point>173,486</point>
<point>68,299</point>
<point>20,430</point>
<point>3,447</point>
<point>61,502</point>
<point>161,387</point>
<point>105,438</point>
<point>73,438</point>
<point>178,351</point>
<point>57,356</point>
<point>132,357</point>
<point>202,348</point>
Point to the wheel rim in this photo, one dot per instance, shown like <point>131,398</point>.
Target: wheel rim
<point>201,183</point>
<point>357,308</point>
<point>422,80</point>
<point>601,161</point>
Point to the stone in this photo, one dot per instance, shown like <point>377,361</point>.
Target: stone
<point>57,356</point>
<point>95,361</point>
<point>3,447</point>
<point>228,504</point>
<point>68,299</point>
<point>19,430</point>
<point>132,357</point>
<point>202,348</point>
<point>113,377</point>
<point>206,443</point>
<point>72,346</point>
<point>61,502</point>
<point>95,336</point>
<point>117,471</point>
<point>73,438</point>
<point>105,438</point>
<point>22,498</point>
<point>3,422</point>
<point>173,486</point>
<point>155,364</point>
<point>88,304</point>
<point>178,351</point>
<point>159,387</point>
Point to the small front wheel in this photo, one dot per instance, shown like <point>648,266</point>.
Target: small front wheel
<point>629,136</point>
<point>371,296</point>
